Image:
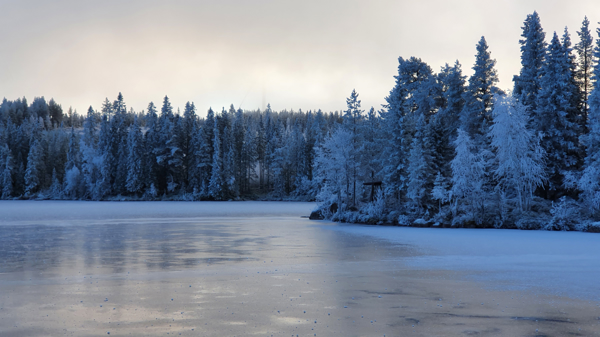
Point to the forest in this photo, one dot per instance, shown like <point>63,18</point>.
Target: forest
<point>443,151</point>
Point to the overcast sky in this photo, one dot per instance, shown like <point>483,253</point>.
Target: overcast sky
<point>295,54</point>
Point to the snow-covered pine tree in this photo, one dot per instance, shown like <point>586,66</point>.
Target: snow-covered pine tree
<point>216,184</point>
<point>352,120</point>
<point>440,190</point>
<point>175,154</point>
<point>271,139</point>
<point>89,128</point>
<point>400,121</point>
<point>249,158</point>
<point>205,152</point>
<point>519,157</point>
<point>89,168</point>
<point>104,159</point>
<point>230,187</point>
<point>73,186</point>
<point>533,51</point>
<point>585,51</point>
<point>419,170</point>
<point>166,149</point>
<point>238,130</point>
<point>373,143</point>
<point>55,191</point>
<point>476,114</point>
<point>151,145</point>
<point>135,178</point>
<point>7,182</point>
<point>73,153</point>
<point>35,168</point>
<point>555,116</point>
<point>119,145</point>
<point>576,115</point>
<point>445,122</point>
<point>589,182</point>
<point>188,129</point>
<point>261,144</point>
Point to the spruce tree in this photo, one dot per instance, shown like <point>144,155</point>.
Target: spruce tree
<point>33,179</point>
<point>215,187</point>
<point>205,151</point>
<point>555,116</point>
<point>73,153</point>
<point>420,169</point>
<point>55,191</point>
<point>400,121</point>
<point>589,182</point>
<point>446,121</point>
<point>533,51</point>
<point>476,114</point>
<point>352,121</point>
<point>188,130</point>
<point>151,145</point>
<point>106,160</point>
<point>585,51</point>
<point>7,183</point>
<point>135,178</point>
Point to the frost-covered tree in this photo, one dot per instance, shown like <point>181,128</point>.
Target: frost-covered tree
<point>446,121</point>
<point>215,187</point>
<point>468,179</point>
<point>135,177</point>
<point>7,183</point>
<point>332,168</point>
<point>519,157</point>
<point>372,145</point>
<point>105,160</point>
<point>556,116</point>
<point>205,152</point>
<point>188,129</point>
<point>440,190</point>
<point>35,168</point>
<point>352,121</point>
<point>72,183</point>
<point>90,138</point>
<point>55,191</point>
<point>589,182</point>
<point>400,119</point>
<point>152,139</point>
<point>420,167</point>
<point>476,114</point>
<point>533,51</point>
<point>585,51</point>
<point>73,154</point>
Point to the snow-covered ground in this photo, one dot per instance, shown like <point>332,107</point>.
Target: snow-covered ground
<point>562,263</point>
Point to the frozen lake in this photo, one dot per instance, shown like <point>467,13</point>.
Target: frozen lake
<point>258,268</point>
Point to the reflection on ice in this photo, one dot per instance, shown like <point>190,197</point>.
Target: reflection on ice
<point>214,269</point>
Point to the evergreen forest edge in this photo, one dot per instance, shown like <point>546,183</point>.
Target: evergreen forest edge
<point>443,150</point>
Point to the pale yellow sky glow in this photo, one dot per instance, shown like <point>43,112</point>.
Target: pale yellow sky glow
<point>299,54</point>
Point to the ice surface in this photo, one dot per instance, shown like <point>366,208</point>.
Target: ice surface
<point>63,211</point>
<point>564,263</point>
<point>257,268</point>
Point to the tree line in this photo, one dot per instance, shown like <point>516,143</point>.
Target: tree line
<point>443,150</point>
<point>115,153</point>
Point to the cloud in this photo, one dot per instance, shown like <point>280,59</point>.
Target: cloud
<point>308,54</point>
